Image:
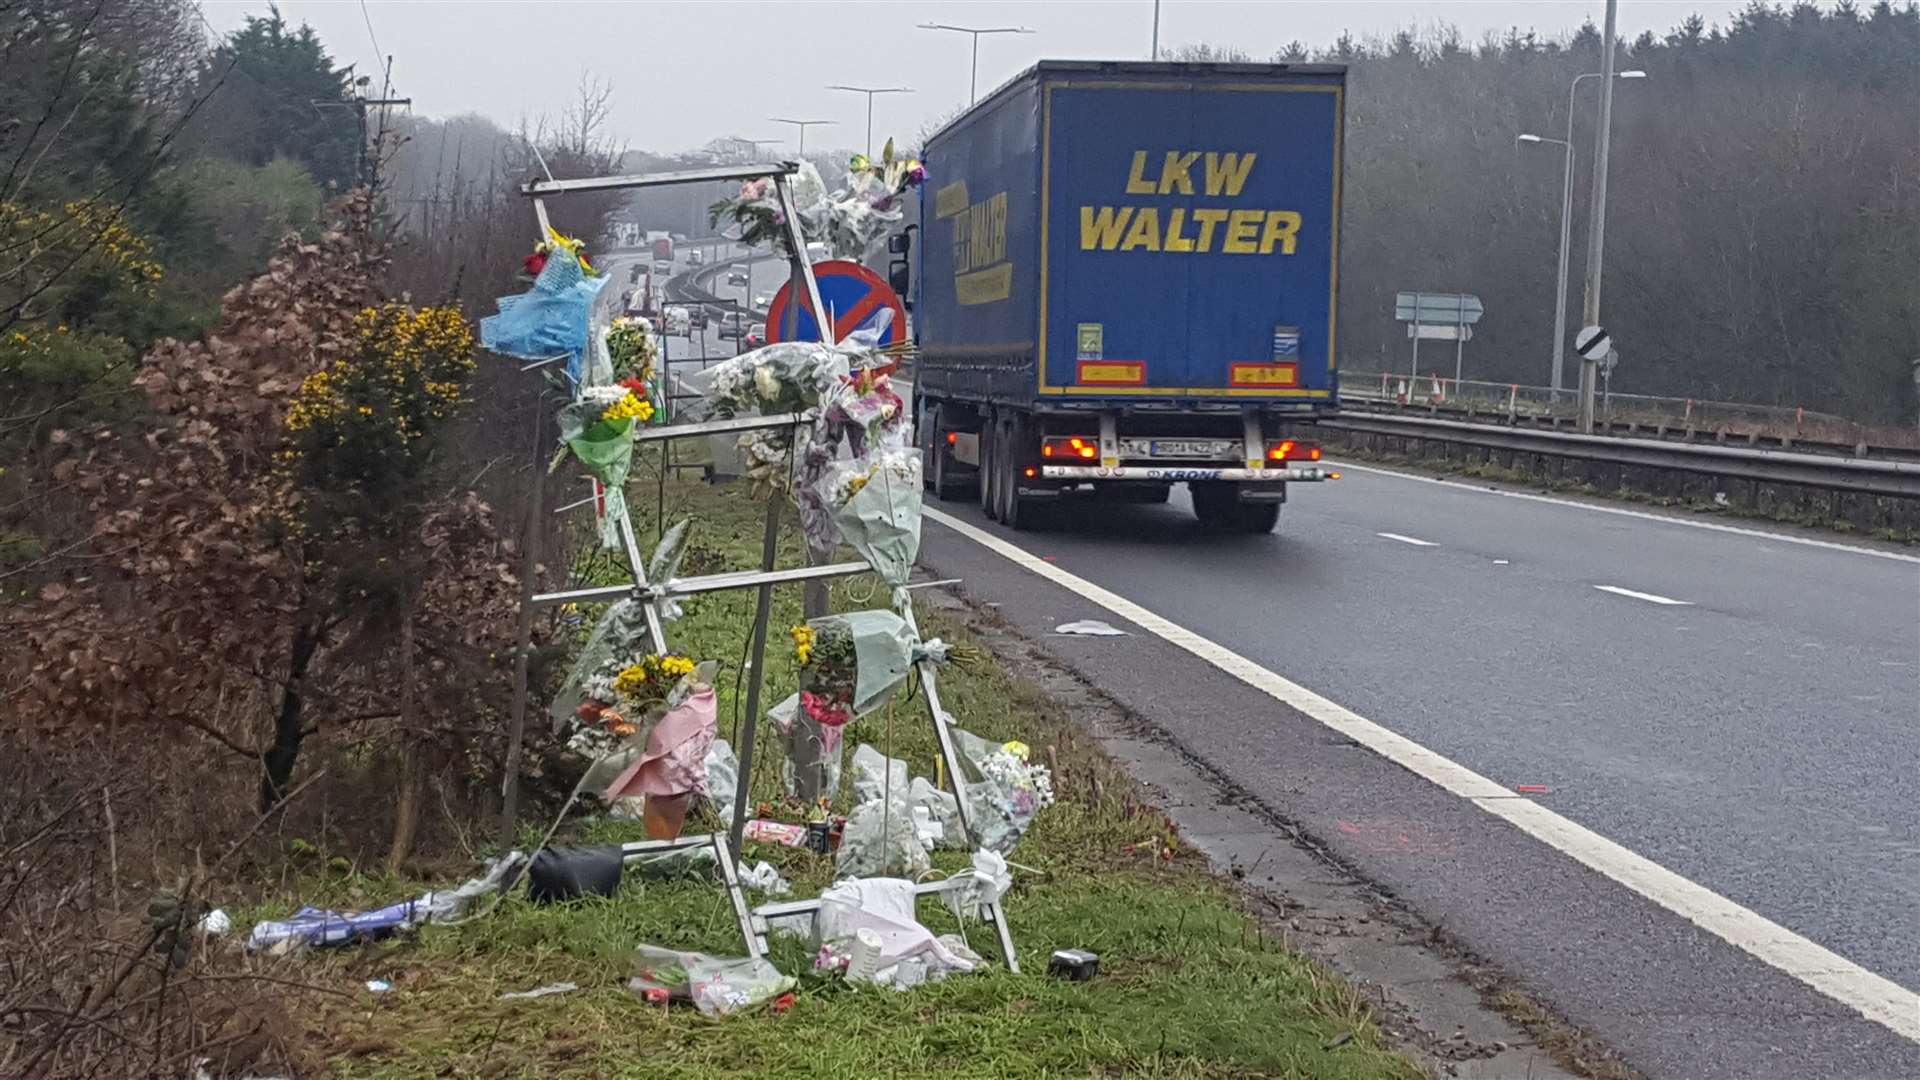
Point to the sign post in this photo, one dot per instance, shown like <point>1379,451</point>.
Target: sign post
<point>1440,317</point>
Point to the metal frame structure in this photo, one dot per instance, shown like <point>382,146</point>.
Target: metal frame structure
<point>753,925</point>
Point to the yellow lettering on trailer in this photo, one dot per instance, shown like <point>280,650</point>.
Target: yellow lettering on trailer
<point>1179,229</point>
<point>1228,172</point>
<point>1137,182</point>
<point>1176,174</point>
<point>1145,232</point>
<point>1104,230</point>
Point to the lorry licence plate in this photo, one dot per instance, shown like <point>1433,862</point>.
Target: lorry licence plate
<point>1190,448</point>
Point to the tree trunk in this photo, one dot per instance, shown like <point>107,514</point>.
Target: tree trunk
<point>406,808</point>
<point>279,759</point>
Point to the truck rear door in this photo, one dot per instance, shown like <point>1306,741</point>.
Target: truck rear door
<point>1191,234</point>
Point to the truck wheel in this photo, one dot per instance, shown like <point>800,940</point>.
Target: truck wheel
<point>1213,503</point>
<point>1255,518</point>
<point>1015,512</point>
<point>945,486</point>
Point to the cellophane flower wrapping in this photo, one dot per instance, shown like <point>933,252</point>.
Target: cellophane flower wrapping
<point>551,318</point>
<point>852,221</point>
<point>664,566</point>
<point>1003,792</point>
<point>717,985</point>
<point>875,502</point>
<point>856,661</point>
<point>780,378</point>
<point>621,631</point>
<point>881,840</point>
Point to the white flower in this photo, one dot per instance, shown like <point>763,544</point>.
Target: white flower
<point>765,381</point>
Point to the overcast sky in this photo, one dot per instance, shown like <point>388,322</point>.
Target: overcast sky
<point>684,72</point>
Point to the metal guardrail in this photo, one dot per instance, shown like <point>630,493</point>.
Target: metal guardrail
<point>1679,420</point>
<point>1899,479</point>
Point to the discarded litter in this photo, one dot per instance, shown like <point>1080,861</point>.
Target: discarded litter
<point>216,923</point>
<point>568,873</point>
<point>1089,628</point>
<point>1073,965</point>
<point>717,985</point>
<point>1532,789</point>
<point>378,986</point>
<point>762,877</point>
<point>316,926</point>
<point>883,908</point>
<point>775,832</point>
<point>541,991</point>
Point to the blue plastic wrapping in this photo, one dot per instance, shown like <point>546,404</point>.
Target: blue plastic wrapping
<point>549,319</point>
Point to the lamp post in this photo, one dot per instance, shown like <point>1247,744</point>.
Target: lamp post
<point>1566,225</point>
<point>1155,54</point>
<point>973,79</point>
<point>870,91</point>
<point>1597,213</point>
<point>803,125</point>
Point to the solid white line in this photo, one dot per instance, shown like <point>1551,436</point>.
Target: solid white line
<point>1408,540</point>
<point>1877,998</point>
<point>1713,526</point>
<point>1647,596</point>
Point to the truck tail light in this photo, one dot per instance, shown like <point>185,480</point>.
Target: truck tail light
<point>1069,446</point>
<point>1289,450</point>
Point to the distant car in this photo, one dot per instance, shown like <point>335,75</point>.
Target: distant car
<point>763,301</point>
<point>696,257</point>
<point>732,327</point>
<point>662,267</point>
<point>697,319</point>
<point>756,337</point>
<point>736,277</point>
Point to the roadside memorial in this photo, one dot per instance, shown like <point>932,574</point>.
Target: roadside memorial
<point>647,714</point>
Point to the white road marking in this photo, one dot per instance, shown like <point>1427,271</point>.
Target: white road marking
<point>1873,996</point>
<point>1647,596</point>
<point>1408,540</point>
<point>1714,526</point>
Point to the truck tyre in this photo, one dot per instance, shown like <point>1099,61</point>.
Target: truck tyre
<point>1255,518</point>
<point>945,486</point>
<point>1015,512</point>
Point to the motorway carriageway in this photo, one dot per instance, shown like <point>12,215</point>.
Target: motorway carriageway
<point>1734,707</point>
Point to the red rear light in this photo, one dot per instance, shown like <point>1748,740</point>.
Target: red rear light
<point>1289,450</point>
<point>1070,446</point>
<point>1032,472</point>
<point>952,437</point>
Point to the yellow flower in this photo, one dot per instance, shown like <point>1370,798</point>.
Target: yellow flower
<point>676,666</point>
<point>631,680</point>
<point>630,406</point>
<point>802,642</point>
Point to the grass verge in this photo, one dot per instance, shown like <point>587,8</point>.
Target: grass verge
<point>1189,986</point>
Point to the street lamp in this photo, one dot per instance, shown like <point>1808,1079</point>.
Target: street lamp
<point>973,80</point>
<point>803,125</point>
<point>870,91</point>
<point>1566,224</point>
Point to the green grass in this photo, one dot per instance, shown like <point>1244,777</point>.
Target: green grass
<point>1189,985</point>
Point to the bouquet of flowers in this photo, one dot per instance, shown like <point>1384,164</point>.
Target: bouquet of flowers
<point>631,349</point>
<point>783,377</point>
<point>622,695</point>
<point>849,664</point>
<point>598,428</point>
<point>1004,791</point>
<point>536,263</point>
<point>853,221</point>
<point>550,318</point>
<point>874,504</point>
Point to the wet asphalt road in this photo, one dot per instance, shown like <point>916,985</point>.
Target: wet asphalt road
<point>1740,709</point>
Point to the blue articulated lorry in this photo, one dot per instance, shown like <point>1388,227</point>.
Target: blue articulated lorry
<point>1123,277</point>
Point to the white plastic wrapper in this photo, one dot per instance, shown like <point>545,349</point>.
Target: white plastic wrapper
<point>723,778</point>
<point>880,840</point>
<point>717,985</point>
<point>884,908</point>
<point>870,775</point>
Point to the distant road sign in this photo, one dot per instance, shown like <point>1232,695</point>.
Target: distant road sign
<point>1459,309</point>
<point>1440,331</point>
<point>1592,342</point>
<point>854,295</point>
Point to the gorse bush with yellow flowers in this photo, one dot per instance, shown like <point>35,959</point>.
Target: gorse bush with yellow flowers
<point>361,428</point>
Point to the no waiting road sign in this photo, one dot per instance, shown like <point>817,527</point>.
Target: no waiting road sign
<point>854,295</point>
<point>1592,342</point>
